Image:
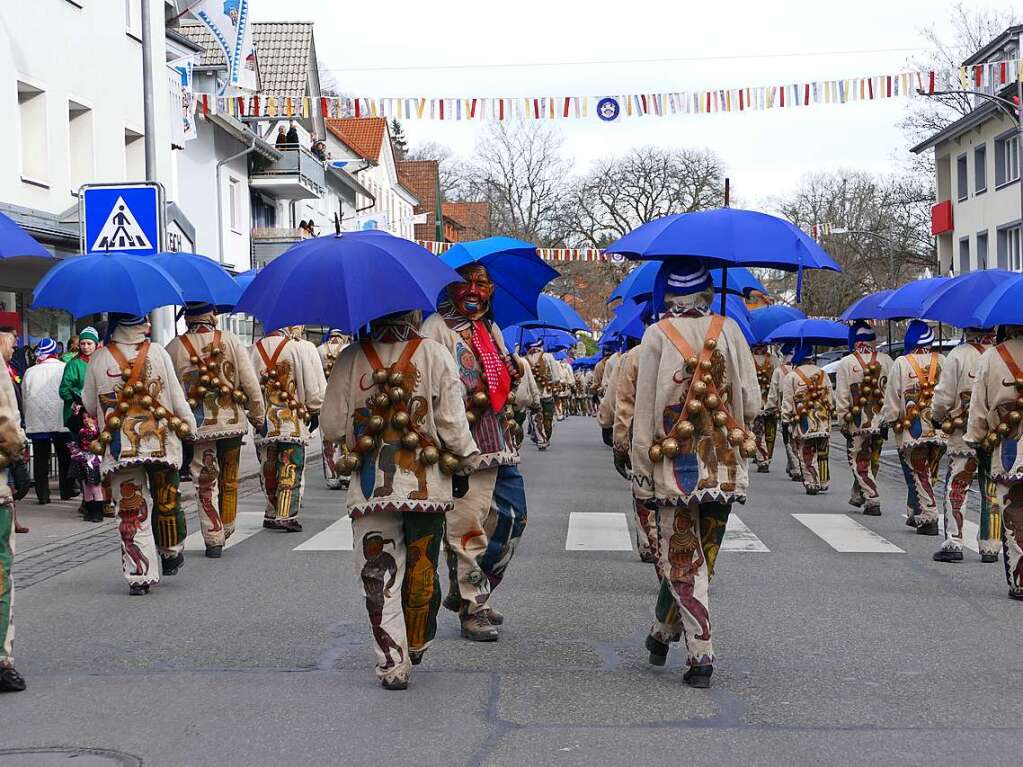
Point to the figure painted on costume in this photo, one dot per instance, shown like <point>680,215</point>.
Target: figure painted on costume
<point>132,511</point>
<point>379,575</point>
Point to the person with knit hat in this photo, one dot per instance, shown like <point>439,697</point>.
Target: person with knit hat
<point>793,468</point>
<point>132,391</point>
<point>807,405</point>
<point>765,427</point>
<point>696,398</point>
<point>333,452</point>
<point>74,370</point>
<point>951,409</point>
<point>44,421</point>
<point>859,393</point>
<point>908,410</point>
<point>217,376</point>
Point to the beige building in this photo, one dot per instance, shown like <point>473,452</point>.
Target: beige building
<point>977,218</point>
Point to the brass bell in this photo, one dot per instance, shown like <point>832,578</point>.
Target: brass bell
<point>699,389</point>
<point>97,448</point>
<point>695,407</point>
<point>848,418</point>
<point>1019,384</point>
<point>898,426</point>
<point>691,363</point>
<point>706,365</point>
<point>480,400</point>
<point>396,378</point>
<point>123,407</point>
<point>125,374</point>
<point>710,344</point>
<point>429,455</point>
<point>381,400</point>
<point>194,360</point>
<point>193,403</point>
<point>352,461</point>
<point>105,437</point>
<point>238,395</point>
<point>184,430</point>
<point>749,448</point>
<point>448,463</point>
<point>1014,417</point>
<point>396,394</point>
<point>201,390</point>
<point>1003,428</point>
<point>906,423</point>
<point>713,402</point>
<point>720,419</point>
<point>400,420</point>
<point>380,377</point>
<point>365,444</point>
<point>655,454</point>
<point>958,423</point>
<point>175,422</point>
<point>139,387</point>
<point>216,351</point>
<point>263,377</point>
<point>669,448</point>
<point>856,410</point>
<point>708,379</point>
<point>410,440</point>
<point>225,389</point>
<point>160,412</point>
<point>946,426</point>
<point>736,436</point>
<point>470,417</point>
<point>204,380</point>
<point>374,424</point>
<point>147,401</point>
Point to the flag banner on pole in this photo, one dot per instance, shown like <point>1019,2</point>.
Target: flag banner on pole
<point>229,23</point>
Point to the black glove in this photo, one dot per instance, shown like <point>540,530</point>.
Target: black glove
<point>314,422</point>
<point>607,436</point>
<point>21,478</point>
<point>459,485</point>
<point>623,464</point>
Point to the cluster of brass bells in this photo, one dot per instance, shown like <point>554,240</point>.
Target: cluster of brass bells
<point>136,394</point>
<point>764,378</point>
<point>923,401</point>
<point>391,392</point>
<point>328,364</point>
<point>1009,422</point>
<point>271,382</point>
<point>699,400</point>
<point>869,399</point>
<point>210,382</point>
<point>814,397</point>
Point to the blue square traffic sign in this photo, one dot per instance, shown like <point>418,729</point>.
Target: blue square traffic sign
<point>123,218</point>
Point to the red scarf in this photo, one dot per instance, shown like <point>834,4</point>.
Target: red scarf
<point>494,370</point>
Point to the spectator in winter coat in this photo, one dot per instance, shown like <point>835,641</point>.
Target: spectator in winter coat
<point>73,382</point>
<point>44,421</point>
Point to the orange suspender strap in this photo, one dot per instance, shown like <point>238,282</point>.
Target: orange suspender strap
<point>803,376</point>
<point>931,375</point>
<point>717,322</point>
<point>190,348</point>
<point>864,365</point>
<point>1010,363</point>
<point>271,362</point>
<point>136,367</point>
<point>401,365</point>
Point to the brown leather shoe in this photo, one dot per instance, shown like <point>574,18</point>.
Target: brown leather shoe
<point>476,627</point>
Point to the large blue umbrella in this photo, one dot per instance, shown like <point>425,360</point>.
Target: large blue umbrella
<point>555,313</point>
<point>15,242</point>
<point>1003,306</point>
<point>519,337</point>
<point>816,332</point>
<point>908,301</point>
<point>740,281</point>
<point>640,282</point>
<point>765,320</point>
<point>726,237</point>
<point>956,301</point>
<point>518,273</point>
<point>107,282</point>
<point>345,281</point>
<point>868,307</point>
<point>201,278</point>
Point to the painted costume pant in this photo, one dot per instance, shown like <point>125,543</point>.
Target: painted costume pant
<point>765,429</point>
<point>396,557</point>
<point>214,469</point>
<point>151,520</point>
<point>282,466</point>
<point>332,453</point>
<point>544,422</point>
<point>6,585</point>
<point>962,468</point>
<point>1008,495</point>
<point>483,531</point>
<point>920,468</point>
<point>989,536</point>
<point>646,532</point>
<point>813,456</point>
<point>688,538</point>
<point>863,451</point>
<point>793,467</point>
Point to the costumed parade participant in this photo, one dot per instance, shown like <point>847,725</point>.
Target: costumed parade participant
<point>132,391</point>
<point>395,399</point>
<point>12,445</point>
<point>806,406</point>
<point>292,386</point>
<point>793,467</point>
<point>995,426</point>
<point>907,409</point>
<point>606,408</point>
<point>525,399</point>
<point>696,395</point>
<point>951,408</point>
<point>485,526</point>
<point>765,427</point>
<point>859,394</point>
<point>332,451</point>
<point>542,364</point>
<point>220,383</point>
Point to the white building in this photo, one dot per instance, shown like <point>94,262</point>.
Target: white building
<point>979,211</point>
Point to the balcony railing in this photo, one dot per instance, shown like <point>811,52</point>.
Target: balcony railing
<point>297,169</point>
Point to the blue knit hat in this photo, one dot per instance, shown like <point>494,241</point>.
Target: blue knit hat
<point>801,353</point>
<point>918,334</point>
<point>861,332</point>
<point>680,277</point>
<point>47,348</point>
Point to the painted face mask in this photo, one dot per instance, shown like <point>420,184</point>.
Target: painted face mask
<point>472,297</point>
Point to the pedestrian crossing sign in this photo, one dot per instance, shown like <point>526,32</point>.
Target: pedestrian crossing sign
<point>121,217</point>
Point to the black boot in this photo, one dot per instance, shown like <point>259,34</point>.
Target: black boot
<point>988,558</point>
<point>658,651</point>
<point>698,676</point>
<point>171,565</point>
<point>137,589</point>
<point>927,528</point>
<point>214,552</point>
<point>945,555</point>
<point>11,680</point>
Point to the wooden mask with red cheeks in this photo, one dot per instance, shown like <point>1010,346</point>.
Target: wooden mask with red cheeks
<point>472,297</point>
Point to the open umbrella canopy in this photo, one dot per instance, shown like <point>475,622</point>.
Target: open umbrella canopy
<point>639,283</point>
<point>628,321</point>
<point>738,311</point>
<point>200,278</point>
<point>245,278</point>
<point>908,301</point>
<point>345,281</point>
<point>867,308</point>
<point>518,273</point>
<point>816,332</point>
<point>726,237</point>
<point>763,321</point>
<point>956,302</point>
<point>738,280</point>
<point>519,338</point>
<point>1003,305</point>
<point>15,242</point>
<point>553,312</point>
<point>107,282</point>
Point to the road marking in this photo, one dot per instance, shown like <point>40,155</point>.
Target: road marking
<point>970,531</point>
<point>337,537</point>
<point>846,535</point>
<point>591,531</point>
<point>247,524</point>
<point>738,537</point>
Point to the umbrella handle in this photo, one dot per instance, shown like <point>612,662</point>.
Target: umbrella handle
<point>724,282</point>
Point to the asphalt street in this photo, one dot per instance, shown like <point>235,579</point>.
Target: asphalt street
<point>263,657</point>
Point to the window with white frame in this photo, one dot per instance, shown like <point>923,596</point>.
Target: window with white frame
<point>964,255</point>
<point>1009,254</point>
<point>982,250</point>
<point>133,17</point>
<point>962,179</point>
<point>980,168</point>
<point>81,163</point>
<point>234,204</point>
<point>32,121</point>
<point>1006,159</point>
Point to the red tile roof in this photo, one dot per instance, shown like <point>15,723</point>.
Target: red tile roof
<point>364,135</point>
<point>421,178</point>
<point>474,216</point>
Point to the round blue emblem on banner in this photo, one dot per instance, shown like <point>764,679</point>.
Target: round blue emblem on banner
<point>608,109</point>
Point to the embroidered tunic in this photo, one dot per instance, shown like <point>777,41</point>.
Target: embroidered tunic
<point>848,391</point>
<point>543,366</point>
<point>774,392</point>
<point>625,400</point>
<point>908,373</point>
<point>954,391</point>
<point>765,365</point>
<point>795,396</point>
<point>606,408</point>
<point>299,376</point>
<point>526,393</point>
<point>995,397</point>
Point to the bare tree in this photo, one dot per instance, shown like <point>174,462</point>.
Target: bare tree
<point>452,168</point>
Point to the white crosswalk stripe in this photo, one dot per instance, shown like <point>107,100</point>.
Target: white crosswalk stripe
<point>846,535</point>
<point>591,531</point>
<point>247,524</point>
<point>336,537</point>
<point>738,537</point>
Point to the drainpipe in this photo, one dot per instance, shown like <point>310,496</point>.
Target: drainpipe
<point>372,196</point>
<point>220,195</point>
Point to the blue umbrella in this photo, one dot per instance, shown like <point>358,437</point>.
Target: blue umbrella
<point>519,337</point>
<point>867,308</point>
<point>628,321</point>
<point>740,281</point>
<point>554,313</point>
<point>816,332</point>
<point>957,300</point>
<point>763,321</point>
<point>518,273</point>
<point>200,278</point>
<point>640,282</point>
<point>1003,306</point>
<point>15,242</point>
<point>907,302</point>
<point>738,311</point>
<point>345,281</point>
<point>726,237</point>
<point>245,278</point>
<point>106,282</point>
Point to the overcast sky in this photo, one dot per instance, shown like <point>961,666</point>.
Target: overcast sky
<point>765,153</point>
